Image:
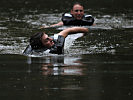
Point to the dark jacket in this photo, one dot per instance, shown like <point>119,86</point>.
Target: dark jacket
<point>57,48</point>
<point>68,19</point>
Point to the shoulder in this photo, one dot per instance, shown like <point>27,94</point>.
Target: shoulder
<point>66,15</point>
<point>88,17</point>
<point>88,20</point>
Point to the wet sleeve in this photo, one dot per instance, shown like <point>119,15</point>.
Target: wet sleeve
<point>58,48</point>
<point>28,50</point>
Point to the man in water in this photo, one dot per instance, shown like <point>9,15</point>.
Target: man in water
<point>77,17</point>
<point>40,42</point>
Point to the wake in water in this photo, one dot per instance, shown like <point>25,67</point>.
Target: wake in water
<point>102,38</point>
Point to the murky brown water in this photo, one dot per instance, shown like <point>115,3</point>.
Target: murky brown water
<point>98,66</point>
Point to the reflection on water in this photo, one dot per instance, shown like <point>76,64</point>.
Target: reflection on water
<point>85,77</point>
<point>58,65</point>
<point>61,71</point>
<point>97,66</point>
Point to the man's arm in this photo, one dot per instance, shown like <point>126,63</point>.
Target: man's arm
<point>58,24</point>
<point>67,31</point>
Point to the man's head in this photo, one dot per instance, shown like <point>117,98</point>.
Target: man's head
<point>41,40</point>
<point>77,11</point>
<point>47,41</point>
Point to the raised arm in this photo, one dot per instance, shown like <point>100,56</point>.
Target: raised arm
<point>73,30</point>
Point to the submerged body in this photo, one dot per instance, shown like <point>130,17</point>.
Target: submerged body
<point>56,48</point>
<point>68,19</point>
<point>40,42</point>
<point>76,17</point>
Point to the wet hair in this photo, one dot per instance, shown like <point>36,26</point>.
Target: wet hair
<point>35,40</point>
<point>76,3</point>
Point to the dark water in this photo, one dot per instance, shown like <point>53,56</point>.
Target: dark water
<point>98,66</point>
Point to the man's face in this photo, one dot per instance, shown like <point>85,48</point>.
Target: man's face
<point>77,11</point>
<point>47,41</point>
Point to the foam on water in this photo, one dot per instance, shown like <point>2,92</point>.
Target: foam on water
<point>10,43</point>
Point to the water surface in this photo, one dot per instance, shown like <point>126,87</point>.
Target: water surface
<point>97,66</point>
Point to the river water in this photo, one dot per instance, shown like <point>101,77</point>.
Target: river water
<point>98,66</point>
